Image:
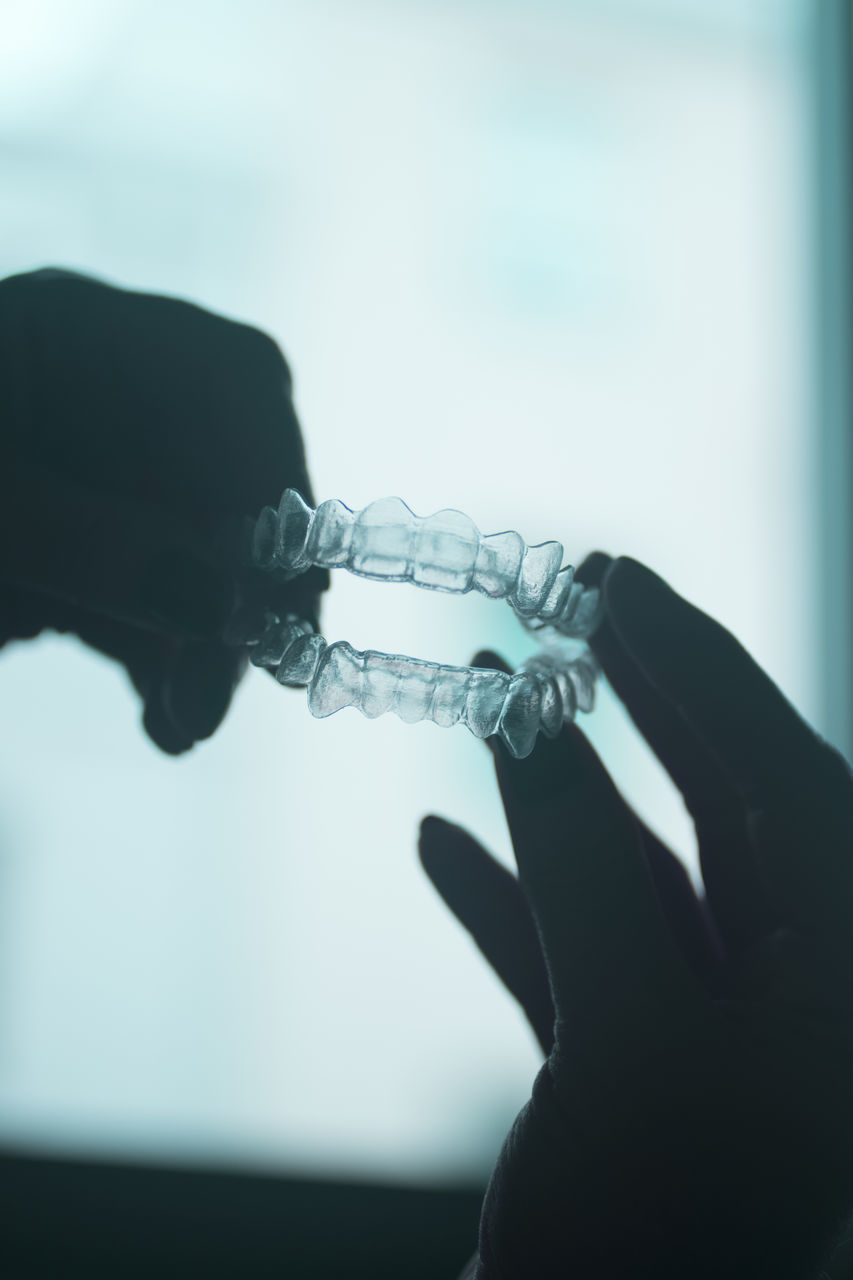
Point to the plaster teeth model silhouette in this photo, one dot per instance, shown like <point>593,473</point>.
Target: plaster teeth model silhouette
<point>443,552</point>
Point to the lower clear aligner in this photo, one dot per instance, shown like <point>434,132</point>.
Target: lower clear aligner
<point>545,693</point>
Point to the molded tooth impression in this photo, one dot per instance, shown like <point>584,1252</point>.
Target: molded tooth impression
<point>442,552</point>
<point>486,701</point>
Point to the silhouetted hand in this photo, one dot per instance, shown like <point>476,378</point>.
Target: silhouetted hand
<point>694,1117</point>
<point>137,433</point>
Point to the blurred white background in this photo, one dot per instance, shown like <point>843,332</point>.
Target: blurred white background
<point>549,263</point>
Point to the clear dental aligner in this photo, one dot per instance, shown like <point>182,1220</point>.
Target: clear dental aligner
<point>546,692</point>
<point>443,552</point>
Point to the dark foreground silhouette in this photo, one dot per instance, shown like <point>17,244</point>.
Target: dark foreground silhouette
<point>694,1115</point>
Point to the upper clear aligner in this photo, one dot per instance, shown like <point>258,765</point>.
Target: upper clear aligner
<point>443,552</point>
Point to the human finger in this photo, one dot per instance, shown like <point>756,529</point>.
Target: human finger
<point>688,921</point>
<point>491,661</point>
<point>187,698</point>
<point>733,706</point>
<point>198,687</point>
<point>159,725</point>
<point>489,902</point>
<point>727,858</point>
<point>185,687</point>
<point>691,922</point>
<point>581,864</point>
<point>775,762</point>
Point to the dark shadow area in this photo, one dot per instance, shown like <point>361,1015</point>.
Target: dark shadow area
<point>63,1218</point>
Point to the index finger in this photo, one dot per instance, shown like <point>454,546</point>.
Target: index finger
<point>607,943</point>
<point>731,704</point>
<point>797,791</point>
<point>727,858</point>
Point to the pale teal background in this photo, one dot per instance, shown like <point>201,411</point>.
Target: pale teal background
<point>549,263</point>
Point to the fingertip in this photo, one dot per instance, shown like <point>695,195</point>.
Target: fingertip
<point>592,569</point>
<point>628,580</point>
<point>436,838</point>
<point>439,853</point>
<point>160,727</point>
<point>200,687</point>
<point>445,844</point>
<point>428,831</point>
<point>651,619</point>
<point>488,660</point>
<point>623,564</point>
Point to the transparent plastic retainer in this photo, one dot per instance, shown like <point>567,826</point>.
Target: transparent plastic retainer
<point>443,552</point>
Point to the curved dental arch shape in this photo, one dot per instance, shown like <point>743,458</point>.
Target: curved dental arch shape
<point>443,552</point>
